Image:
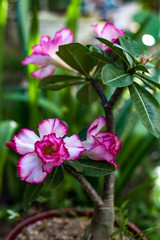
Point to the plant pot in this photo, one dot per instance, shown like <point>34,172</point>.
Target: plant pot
<point>59,213</point>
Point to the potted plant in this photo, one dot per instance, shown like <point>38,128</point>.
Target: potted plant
<point>115,62</point>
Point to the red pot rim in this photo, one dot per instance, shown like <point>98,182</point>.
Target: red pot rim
<point>58,213</point>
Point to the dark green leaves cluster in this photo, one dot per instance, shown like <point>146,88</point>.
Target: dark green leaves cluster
<point>146,106</point>
<point>91,62</point>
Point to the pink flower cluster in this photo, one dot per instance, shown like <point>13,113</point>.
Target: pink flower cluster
<point>51,149</point>
<point>44,53</point>
<point>41,154</point>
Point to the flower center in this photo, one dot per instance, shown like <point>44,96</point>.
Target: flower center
<point>48,150</point>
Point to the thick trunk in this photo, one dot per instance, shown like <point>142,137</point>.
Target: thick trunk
<point>101,226</point>
<point>102,223</point>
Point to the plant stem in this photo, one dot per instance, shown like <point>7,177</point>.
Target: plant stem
<point>98,203</point>
<point>115,97</point>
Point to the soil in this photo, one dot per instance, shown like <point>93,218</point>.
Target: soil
<point>55,229</point>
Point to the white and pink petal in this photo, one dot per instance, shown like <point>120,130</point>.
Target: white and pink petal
<point>40,59</point>
<point>43,72</point>
<point>11,145</point>
<point>55,125</point>
<point>96,126</point>
<point>98,29</point>
<point>30,168</point>
<point>74,147</point>
<point>109,31</point>
<point>25,140</point>
<point>66,35</point>
<point>47,167</point>
<point>44,38</point>
<point>37,49</point>
<point>99,153</point>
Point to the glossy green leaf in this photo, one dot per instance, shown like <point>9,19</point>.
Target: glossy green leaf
<point>76,55</point>
<point>142,68</point>
<point>75,164</point>
<point>58,78</point>
<point>115,76</point>
<point>54,179</point>
<point>129,56</point>
<point>7,129</point>
<point>31,193</point>
<point>96,168</point>
<point>87,94</point>
<point>147,108</point>
<point>58,82</point>
<point>100,54</point>
<point>116,49</point>
<point>130,48</point>
<point>62,85</point>
<point>148,79</point>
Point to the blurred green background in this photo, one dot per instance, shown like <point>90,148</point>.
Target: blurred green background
<point>23,105</point>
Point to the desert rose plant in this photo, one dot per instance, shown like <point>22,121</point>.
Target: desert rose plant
<point>115,61</point>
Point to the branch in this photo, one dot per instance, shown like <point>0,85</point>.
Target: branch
<point>108,189</point>
<point>97,201</point>
<point>100,92</point>
<point>115,97</point>
<point>104,101</point>
<point>87,186</point>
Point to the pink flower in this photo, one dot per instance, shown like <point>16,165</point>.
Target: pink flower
<point>41,154</point>
<point>109,32</point>
<point>44,53</point>
<point>101,146</point>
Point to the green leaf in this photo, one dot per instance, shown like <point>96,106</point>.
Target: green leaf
<point>58,82</point>
<point>142,68</point>
<point>100,54</point>
<point>149,65</point>
<point>115,76</point>
<point>129,56</point>
<point>147,78</point>
<point>31,193</point>
<point>87,94</point>
<point>54,179</point>
<point>76,55</point>
<point>147,108</point>
<point>116,49</point>
<point>75,164</point>
<point>7,129</point>
<point>60,86</point>
<point>96,168</point>
<point>57,79</point>
<point>130,48</point>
